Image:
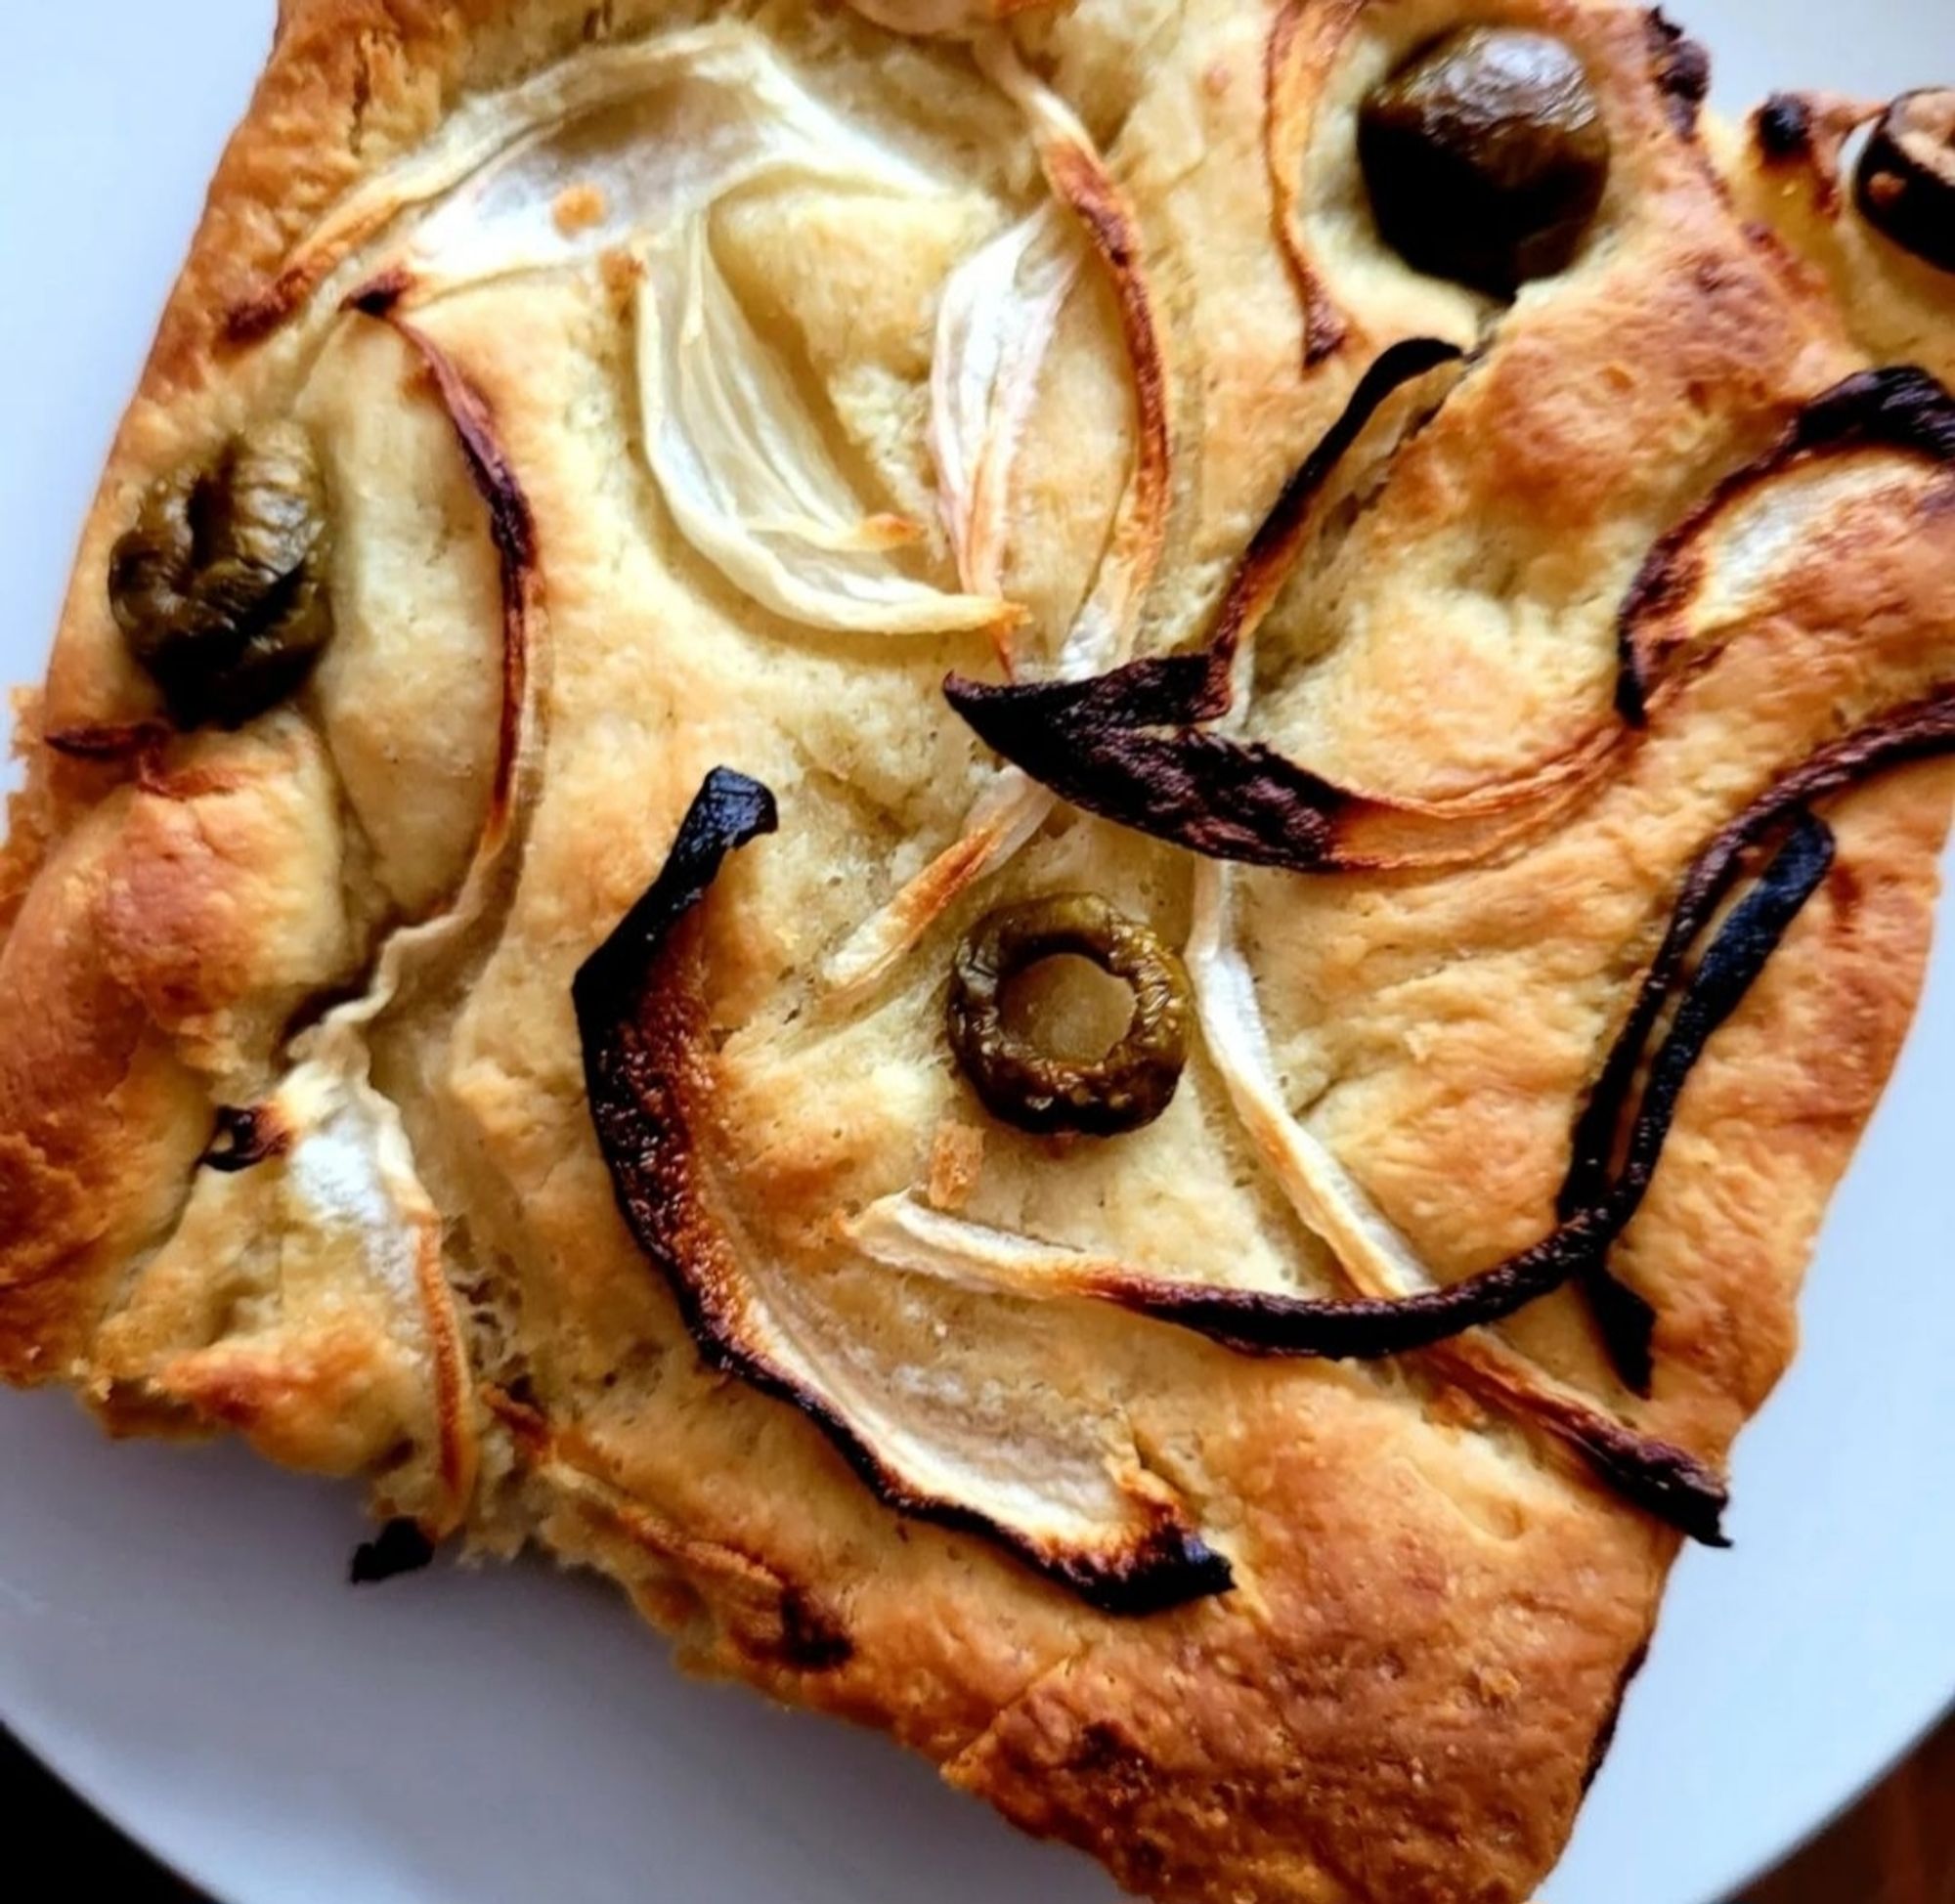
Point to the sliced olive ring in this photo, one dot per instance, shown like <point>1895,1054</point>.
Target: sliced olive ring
<point>1486,158</point>
<point>219,589</point>
<point>1905,183</point>
<point>1034,1090</point>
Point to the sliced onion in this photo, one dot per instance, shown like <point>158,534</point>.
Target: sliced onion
<point>1003,818</point>
<point>1303,40</point>
<point>1081,181</point>
<point>744,472</point>
<point>651,130</point>
<point>995,324</point>
<point>513,784</point>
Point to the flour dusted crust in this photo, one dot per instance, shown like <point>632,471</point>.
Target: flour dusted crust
<point>1434,1610</point>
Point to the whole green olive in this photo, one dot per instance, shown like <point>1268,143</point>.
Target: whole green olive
<point>1036,1089</point>
<point>219,589</point>
<point>1486,158</point>
<point>1905,181</point>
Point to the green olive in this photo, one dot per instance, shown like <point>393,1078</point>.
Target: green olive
<point>1036,1089</point>
<point>1905,183</point>
<point>1486,158</point>
<point>219,589</point>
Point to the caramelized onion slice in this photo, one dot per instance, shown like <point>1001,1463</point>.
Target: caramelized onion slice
<point>1078,1505</point>
<point>1082,182</point>
<point>1900,409</point>
<point>1303,40</point>
<point>615,140</point>
<point>512,783</point>
<point>746,474</point>
<point>1416,1314</point>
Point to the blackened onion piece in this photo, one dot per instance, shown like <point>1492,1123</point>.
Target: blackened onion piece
<point>245,1136</point>
<point>1092,742</point>
<point>1272,548</point>
<point>728,811</point>
<point>1681,69</point>
<point>1232,799</point>
<point>639,1033</point>
<point>1665,1480</point>
<point>1918,731</point>
<point>1369,1329</point>
<point>1905,183</point>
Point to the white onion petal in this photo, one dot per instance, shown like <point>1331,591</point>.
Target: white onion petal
<point>744,472</point>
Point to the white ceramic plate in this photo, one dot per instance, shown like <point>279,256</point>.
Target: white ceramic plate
<point>174,1633</point>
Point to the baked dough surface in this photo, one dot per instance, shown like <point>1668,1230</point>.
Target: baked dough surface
<point>427,1281</point>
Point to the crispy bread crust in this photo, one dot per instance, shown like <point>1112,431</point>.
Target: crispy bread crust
<point>1434,1621</point>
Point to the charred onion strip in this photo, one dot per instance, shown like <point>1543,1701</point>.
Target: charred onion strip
<point>1095,742</point>
<point>1272,549</point>
<point>1904,186</point>
<point>1131,747</point>
<point>641,1020</point>
<point>1919,731</point>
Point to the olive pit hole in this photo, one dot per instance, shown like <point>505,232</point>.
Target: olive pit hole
<point>1068,1006</point>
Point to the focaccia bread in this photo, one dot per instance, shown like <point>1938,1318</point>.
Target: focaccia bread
<point>680,577</point>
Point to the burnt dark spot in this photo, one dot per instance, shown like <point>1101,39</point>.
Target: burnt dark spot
<point>378,296</point>
<point>245,1136</point>
<point>1782,128</point>
<point>400,1548</point>
<point>810,1639</point>
<point>1847,893</point>
<point>1605,1733</point>
<point>1681,69</point>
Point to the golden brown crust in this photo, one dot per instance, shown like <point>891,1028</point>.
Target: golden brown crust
<point>1432,1623</point>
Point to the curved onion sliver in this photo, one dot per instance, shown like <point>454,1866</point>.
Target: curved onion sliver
<point>744,472</point>
<point>639,134</point>
<point>511,784</point>
<point>994,325</point>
